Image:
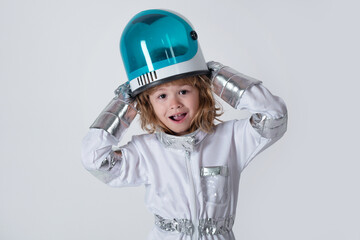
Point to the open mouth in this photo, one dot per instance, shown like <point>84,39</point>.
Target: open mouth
<point>178,117</point>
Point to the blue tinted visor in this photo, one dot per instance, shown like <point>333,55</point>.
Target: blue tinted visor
<point>155,39</point>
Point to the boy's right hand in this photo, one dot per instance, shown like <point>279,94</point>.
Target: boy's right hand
<point>119,113</point>
<point>123,92</point>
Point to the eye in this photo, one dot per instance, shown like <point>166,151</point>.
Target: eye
<point>162,96</point>
<point>183,92</point>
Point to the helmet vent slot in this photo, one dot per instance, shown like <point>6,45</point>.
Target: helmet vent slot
<point>146,78</point>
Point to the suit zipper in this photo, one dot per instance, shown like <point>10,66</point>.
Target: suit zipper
<point>193,208</point>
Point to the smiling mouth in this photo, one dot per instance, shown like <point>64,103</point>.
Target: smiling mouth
<point>178,117</point>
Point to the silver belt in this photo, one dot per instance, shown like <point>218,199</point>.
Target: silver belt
<point>207,226</point>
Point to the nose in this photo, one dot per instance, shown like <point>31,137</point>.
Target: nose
<point>175,103</point>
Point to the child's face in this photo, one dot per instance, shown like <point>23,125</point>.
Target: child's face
<point>175,105</point>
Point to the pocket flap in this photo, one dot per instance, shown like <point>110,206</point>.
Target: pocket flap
<point>213,171</point>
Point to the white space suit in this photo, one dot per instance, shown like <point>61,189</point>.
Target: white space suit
<point>191,181</point>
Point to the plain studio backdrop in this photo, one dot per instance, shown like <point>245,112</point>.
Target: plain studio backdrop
<point>59,66</point>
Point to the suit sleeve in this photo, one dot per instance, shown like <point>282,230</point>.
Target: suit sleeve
<point>267,124</point>
<point>114,166</point>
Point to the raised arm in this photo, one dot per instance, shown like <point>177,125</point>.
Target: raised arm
<point>98,155</point>
<point>269,113</point>
<point>268,121</point>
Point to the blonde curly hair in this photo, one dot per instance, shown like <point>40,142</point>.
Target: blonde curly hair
<point>204,118</point>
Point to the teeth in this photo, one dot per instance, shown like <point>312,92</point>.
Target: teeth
<point>178,117</point>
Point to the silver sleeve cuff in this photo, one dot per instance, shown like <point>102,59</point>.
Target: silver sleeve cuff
<point>110,161</point>
<point>229,84</point>
<point>268,127</point>
<point>116,117</point>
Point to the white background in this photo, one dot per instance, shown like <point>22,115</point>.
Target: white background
<point>59,65</point>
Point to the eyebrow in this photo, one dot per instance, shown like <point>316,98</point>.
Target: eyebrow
<point>163,89</point>
<point>158,89</point>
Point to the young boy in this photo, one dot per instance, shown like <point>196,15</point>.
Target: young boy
<point>190,167</point>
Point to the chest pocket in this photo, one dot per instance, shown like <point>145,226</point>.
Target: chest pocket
<point>215,183</point>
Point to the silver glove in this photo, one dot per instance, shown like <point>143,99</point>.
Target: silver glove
<point>229,84</point>
<point>118,114</point>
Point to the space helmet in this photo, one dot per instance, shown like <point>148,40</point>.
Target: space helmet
<point>158,46</point>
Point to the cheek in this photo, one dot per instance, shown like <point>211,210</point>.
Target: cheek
<point>195,103</point>
<point>158,110</point>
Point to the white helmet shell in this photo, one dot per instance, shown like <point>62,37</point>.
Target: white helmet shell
<point>159,46</point>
